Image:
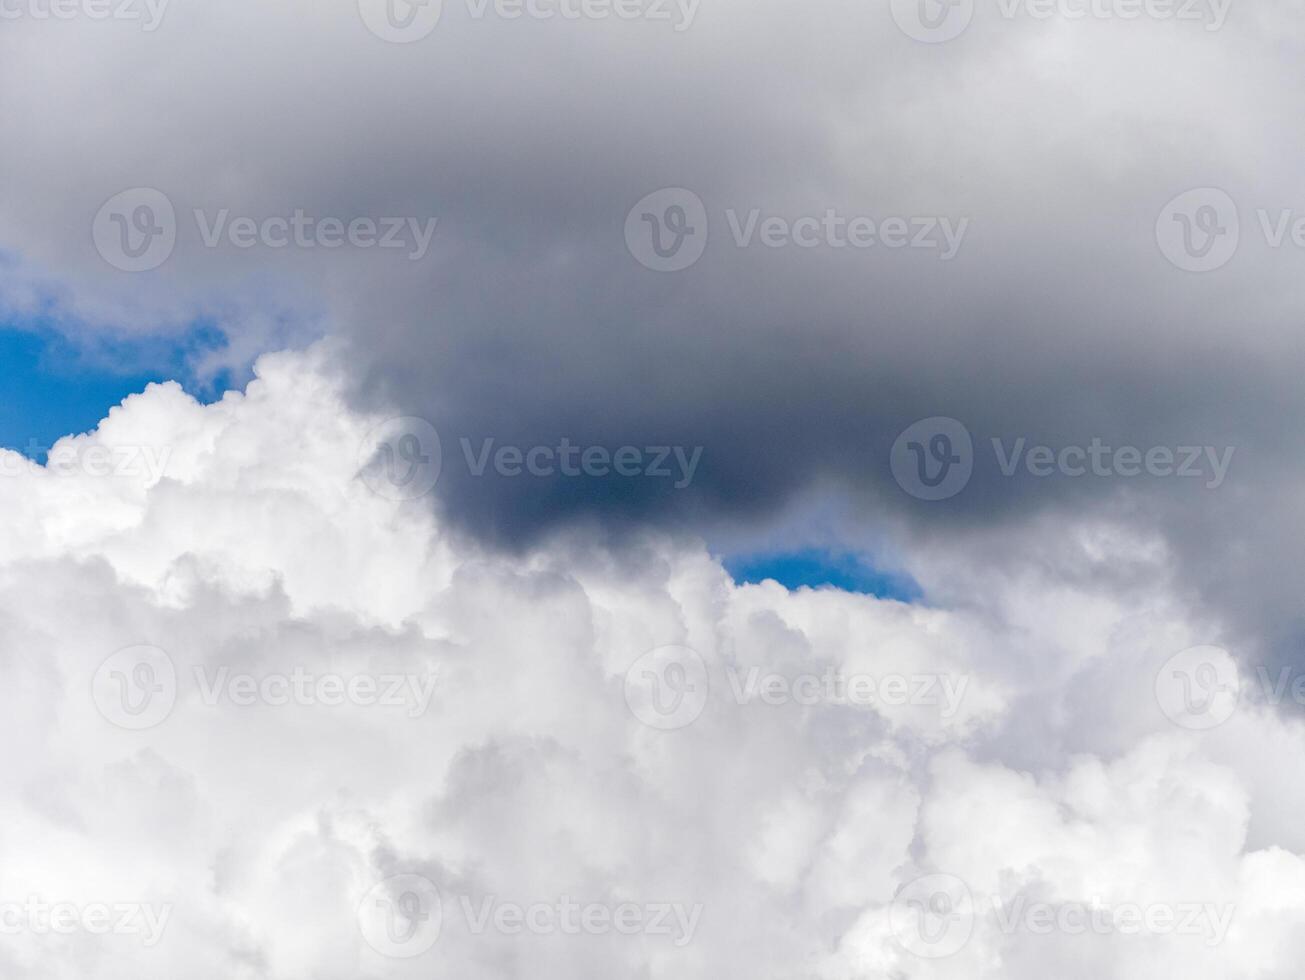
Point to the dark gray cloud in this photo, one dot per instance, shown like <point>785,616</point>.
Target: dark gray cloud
<point>1055,145</point>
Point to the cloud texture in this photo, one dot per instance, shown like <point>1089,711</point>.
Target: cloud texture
<point>794,824</point>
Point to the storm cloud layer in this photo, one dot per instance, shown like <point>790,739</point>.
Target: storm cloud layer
<point>982,220</point>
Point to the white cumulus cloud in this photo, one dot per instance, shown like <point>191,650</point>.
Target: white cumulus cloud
<point>346,698</point>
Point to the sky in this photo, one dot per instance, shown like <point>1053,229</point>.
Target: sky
<point>43,401</point>
<point>54,387</point>
<point>817,568</point>
<point>651,487</point>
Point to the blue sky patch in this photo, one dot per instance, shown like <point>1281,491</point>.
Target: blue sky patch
<point>50,387</point>
<point>817,567</point>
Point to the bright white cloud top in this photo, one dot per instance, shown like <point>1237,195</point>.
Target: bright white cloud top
<point>360,747</point>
